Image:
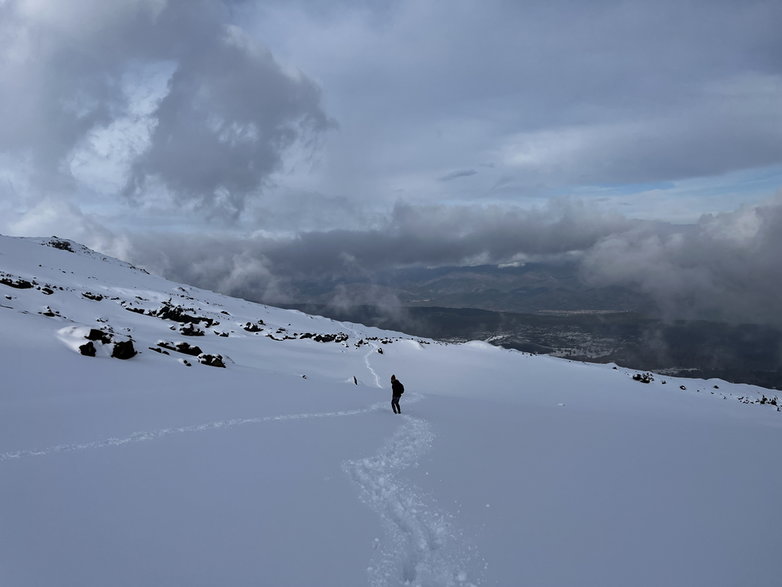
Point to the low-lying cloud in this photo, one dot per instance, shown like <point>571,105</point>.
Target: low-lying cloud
<point>725,267</point>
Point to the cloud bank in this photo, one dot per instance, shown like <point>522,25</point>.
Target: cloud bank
<point>725,267</point>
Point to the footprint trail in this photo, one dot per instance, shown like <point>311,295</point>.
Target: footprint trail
<point>421,546</point>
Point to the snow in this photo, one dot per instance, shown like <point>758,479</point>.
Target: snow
<point>503,469</point>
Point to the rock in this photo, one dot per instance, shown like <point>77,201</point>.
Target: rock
<point>57,243</point>
<point>87,349</point>
<point>17,283</point>
<point>190,330</point>
<point>643,378</point>
<point>99,335</point>
<point>252,327</point>
<point>186,349</point>
<point>123,349</point>
<point>211,360</point>
<point>92,296</point>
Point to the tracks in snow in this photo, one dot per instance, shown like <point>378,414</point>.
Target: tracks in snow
<point>421,547</point>
<point>164,432</point>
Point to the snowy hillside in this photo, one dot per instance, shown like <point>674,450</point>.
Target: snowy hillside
<point>269,455</point>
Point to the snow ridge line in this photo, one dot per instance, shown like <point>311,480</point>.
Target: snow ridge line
<point>422,547</point>
<point>164,432</point>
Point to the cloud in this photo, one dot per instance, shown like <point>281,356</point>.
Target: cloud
<point>165,100</point>
<point>726,266</point>
<point>457,174</point>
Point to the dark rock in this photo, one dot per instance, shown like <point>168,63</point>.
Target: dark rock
<point>682,387</point>
<point>211,360</point>
<point>46,290</point>
<point>190,330</point>
<point>643,378</point>
<point>17,283</point>
<point>186,349</point>
<point>87,349</point>
<point>123,349</point>
<point>252,327</point>
<point>100,335</point>
<point>57,243</point>
<point>136,310</point>
<point>49,312</point>
<point>159,350</point>
<point>169,311</point>
<point>91,296</point>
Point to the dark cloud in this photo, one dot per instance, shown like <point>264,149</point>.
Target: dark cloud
<point>725,267</point>
<point>457,174</point>
<point>209,111</point>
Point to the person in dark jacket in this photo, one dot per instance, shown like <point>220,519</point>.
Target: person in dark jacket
<point>397,389</point>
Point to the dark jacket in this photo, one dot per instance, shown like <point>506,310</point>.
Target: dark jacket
<point>397,388</point>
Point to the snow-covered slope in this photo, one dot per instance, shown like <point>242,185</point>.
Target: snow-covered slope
<point>286,466</point>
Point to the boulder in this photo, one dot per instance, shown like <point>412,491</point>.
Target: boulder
<point>123,349</point>
<point>87,349</point>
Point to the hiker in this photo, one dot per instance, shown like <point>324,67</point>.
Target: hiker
<point>397,389</point>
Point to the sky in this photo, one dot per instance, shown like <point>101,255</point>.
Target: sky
<point>237,144</point>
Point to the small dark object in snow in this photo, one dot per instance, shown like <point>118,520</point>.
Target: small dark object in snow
<point>250,327</point>
<point>59,244</point>
<point>96,334</point>
<point>355,381</point>
<point>87,349</point>
<point>211,360</point>
<point>190,330</point>
<point>49,312</point>
<point>46,290</point>
<point>18,283</point>
<point>159,350</point>
<point>380,351</point>
<point>186,363</point>
<point>682,388</point>
<point>716,387</point>
<point>123,350</point>
<point>91,296</point>
<point>185,348</point>
<point>218,333</point>
<point>643,378</point>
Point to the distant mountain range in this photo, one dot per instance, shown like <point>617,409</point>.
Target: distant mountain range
<point>547,308</point>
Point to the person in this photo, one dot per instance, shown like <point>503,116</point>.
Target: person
<point>397,389</point>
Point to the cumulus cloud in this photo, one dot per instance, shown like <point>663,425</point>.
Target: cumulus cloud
<point>165,100</point>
